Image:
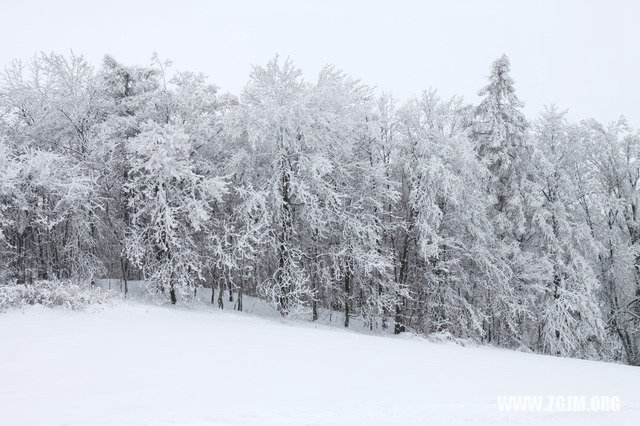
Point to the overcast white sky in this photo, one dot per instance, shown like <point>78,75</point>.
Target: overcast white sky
<point>581,55</point>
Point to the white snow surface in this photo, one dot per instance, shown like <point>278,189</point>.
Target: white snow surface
<point>137,364</point>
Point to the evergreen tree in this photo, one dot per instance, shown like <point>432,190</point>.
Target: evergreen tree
<point>500,134</point>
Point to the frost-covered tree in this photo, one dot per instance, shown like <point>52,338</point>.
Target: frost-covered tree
<point>353,194</point>
<point>9,170</point>
<point>127,97</point>
<point>607,178</point>
<point>455,262</point>
<point>170,203</point>
<point>325,199</point>
<point>274,117</point>
<point>48,217</point>
<point>501,141</point>
<point>500,134</point>
<point>569,318</point>
<point>305,144</point>
<point>49,113</point>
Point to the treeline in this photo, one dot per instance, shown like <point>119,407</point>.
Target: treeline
<point>432,215</point>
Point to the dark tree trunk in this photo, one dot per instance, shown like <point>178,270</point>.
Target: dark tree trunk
<point>21,273</point>
<point>124,268</point>
<point>314,310</point>
<point>239,299</point>
<point>399,326</point>
<point>314,279</point>
<point>220,293</point>
<point>172,294</point>
<point>283,279</point>
<point>213,288</point>
<point>347,293</point>
<point>384,310</point>
<point>399,321</point>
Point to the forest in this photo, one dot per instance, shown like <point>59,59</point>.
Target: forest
<point>428,215</point>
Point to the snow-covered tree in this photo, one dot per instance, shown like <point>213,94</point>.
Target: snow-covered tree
<point>501,141</point>
<point>320,196</point>
<point>606,177</point>
<point>127,96</point>
<point>274,118</point>
<point>500,134</point>
<point>170,203</point>
<point>454,259</point>
<point>353,193</point>
<point>51,208</point>
<point>49,112</point>
<point>570,322</point>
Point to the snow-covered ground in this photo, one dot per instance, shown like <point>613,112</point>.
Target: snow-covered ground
<point>136,364</point>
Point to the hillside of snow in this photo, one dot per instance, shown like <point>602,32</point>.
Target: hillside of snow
<point>135,364</point>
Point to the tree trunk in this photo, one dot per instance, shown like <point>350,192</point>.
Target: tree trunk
<point>314,310</point>
<point>399,321</point>
<point>283,278</point>
<point>239,299</point>
<point>124,268</point>
<point>399,326</point>
<point>213,288</point>
<point>220,293</point>
<point>347,293</point>
<point>314,279</point>
<point>172,293</point>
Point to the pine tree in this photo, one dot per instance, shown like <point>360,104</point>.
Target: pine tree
<point>500,134</point>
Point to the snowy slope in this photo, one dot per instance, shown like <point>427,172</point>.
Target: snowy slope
<point>133,364</point>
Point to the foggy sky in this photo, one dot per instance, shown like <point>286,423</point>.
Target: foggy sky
<point>581,55</point>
